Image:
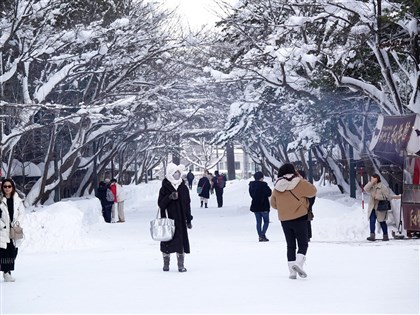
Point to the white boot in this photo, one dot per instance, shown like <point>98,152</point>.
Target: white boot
<point>298,266</point>
<point>8,277</point>
<point>293,273</point>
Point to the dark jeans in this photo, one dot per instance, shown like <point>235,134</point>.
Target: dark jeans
<point>106,212</point>
<point>8,257</point>
<point>372,221</point>
<point>190,184</point>
<point>260,216</point>
<point>295,230</point>
<point>219,196</point>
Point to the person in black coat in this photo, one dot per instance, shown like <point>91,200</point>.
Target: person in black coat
<point>260,204</point>
<point>190,179</point>
<point>203,190</point>
<point>106,204</point>
<point>174,197</point>
<point>219,183</point>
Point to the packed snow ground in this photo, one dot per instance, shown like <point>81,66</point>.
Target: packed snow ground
<point>73,262</point>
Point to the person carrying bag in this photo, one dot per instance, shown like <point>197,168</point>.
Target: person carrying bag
<point>11,233</point>
<point>175,203</point>
<point>378,192</point>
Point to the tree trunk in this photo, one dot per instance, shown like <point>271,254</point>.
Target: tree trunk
<point>230,158</point>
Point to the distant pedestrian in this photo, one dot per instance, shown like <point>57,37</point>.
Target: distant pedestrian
<point>190,179</point>
<point>11,214</point>
<point>290,199</point>
<point>310,212</point>
<point>105,195</point>
<point>174,197</point>
<point>219,183</point>
<point>203,190</point>
<point>117,190</point>
<point>378,191</point>
<point>260,204</point>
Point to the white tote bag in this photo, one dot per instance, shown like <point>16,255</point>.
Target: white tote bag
<point>162,229</point>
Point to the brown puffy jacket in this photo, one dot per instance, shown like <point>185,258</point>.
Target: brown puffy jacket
<point>290,197</point>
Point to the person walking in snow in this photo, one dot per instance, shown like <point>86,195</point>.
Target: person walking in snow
<point>11,214</point>
<point>378,191</point>
<point>190,179</point>
<point>105,195</point>
<point>260,204</point>
<point>290,199</point>
<point>117,190</point>
<point>219,183</point>
<point>174,197</point>
<point>203,190</point>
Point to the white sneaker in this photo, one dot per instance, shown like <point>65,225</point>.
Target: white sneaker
<point>298,266</point>
<point>8,277</point>
<point>293,273</point>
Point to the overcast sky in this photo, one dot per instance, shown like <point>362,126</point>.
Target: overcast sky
<point>195,12</point>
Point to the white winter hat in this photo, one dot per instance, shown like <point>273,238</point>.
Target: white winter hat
<point>172,168</point>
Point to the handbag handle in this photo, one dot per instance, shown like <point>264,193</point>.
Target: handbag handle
<point>158,213</point>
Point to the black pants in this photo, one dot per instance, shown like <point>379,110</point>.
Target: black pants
<point>106,212</point>
<point>296,230</point>
<point>219,196</point>
<point>8,257</point>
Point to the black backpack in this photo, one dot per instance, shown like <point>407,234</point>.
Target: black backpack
<point>221,181</point>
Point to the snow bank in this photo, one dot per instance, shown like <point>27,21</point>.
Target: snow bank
<point>61,226</point>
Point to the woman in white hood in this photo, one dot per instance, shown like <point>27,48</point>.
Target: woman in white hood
<point>290,199</point>
<point>174,197</point>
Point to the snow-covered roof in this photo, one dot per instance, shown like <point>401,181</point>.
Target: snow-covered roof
<point>18,169</point>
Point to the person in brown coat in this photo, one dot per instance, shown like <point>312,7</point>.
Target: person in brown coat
<point>290,199</point>
<point>378,191</point>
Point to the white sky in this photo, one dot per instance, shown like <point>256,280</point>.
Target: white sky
<point>195,12</point>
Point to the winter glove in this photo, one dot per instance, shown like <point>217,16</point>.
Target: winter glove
<point>189,225</point>
<point>173,195</point>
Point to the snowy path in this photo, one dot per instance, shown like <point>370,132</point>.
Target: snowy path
<point>228,270</point>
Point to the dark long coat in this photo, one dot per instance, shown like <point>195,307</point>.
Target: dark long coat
<point>178,210</point>
<point>205,184</point>
<point>259,192</point>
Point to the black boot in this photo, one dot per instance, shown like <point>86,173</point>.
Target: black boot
<point>205,205</point>
<point>180,258</point>
<point>262,238</point>
<point>201,204</point>
<point>371,237</point>
<point>166,260</point>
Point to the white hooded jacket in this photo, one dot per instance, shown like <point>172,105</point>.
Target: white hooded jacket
<point>18,216</point>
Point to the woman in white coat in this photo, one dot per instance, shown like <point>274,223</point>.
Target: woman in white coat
<point>11,214</point>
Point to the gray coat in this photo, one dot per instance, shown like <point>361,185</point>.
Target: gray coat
<point>377,192</point>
